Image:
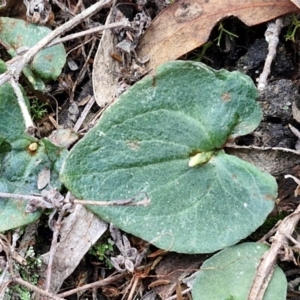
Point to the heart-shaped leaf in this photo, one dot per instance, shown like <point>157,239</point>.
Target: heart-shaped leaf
<point>147,139</point>
<point>229,275</point>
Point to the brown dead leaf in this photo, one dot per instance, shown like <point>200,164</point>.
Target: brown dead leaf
<point>104,82</point>
<point>79,231</point>
<point>173,268</point>
<point>186,24</point>
<point>296,2</point>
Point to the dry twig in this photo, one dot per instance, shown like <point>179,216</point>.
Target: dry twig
<point>234,146</point>
<point>272,37</point>
<point>267,263</point>
<point>53,199</point>
<point>88,32</point>
<point>82,72</point>
<point>97,284</point>
<point>56,226</point>
<point>84,113</point>
<point>36,289</point>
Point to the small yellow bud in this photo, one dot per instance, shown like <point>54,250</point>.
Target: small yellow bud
<point>33,147</point>
<point>200,158</point>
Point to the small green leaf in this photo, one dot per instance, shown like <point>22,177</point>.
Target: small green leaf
<point>229,275</point>
<point>36,82</point>
<point>17,34</point>
<point>21,163</point>
<point>19,174</point>
<point>144,142</point>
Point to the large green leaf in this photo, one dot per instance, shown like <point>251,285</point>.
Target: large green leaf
<point>144,142</point>
<point>47,64</point>
<point>229,275</point>
<point>19,165</point>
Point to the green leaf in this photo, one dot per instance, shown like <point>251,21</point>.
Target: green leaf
<point>229,275</point>
<point>12,126</point>
<point>144,142</point>
<point>47,64</point>
<point>19,174</point>
<point>20,166</point>
<point>3,67</point>
<point>37,83</point>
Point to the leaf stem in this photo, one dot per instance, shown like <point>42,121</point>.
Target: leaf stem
<point>30,127</point>
<point>45,202</point>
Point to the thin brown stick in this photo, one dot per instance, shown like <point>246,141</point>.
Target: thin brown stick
<point>20,196</point>
<point>234,146</point>
<point>182,293</point>
<point>45,204</point>
<point>88,32</point>
<point>100,283</point>
<point>84,113</point>
<point>267,263</point>
<point>82,72</point>
<point>78,46</point>
<point>53,248</point>
<point>36,289</point>
<point>63,7</point>
<point>4,243</point>
<point>127,202</point>
<point>39,199</point>
<point>133,288</point>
